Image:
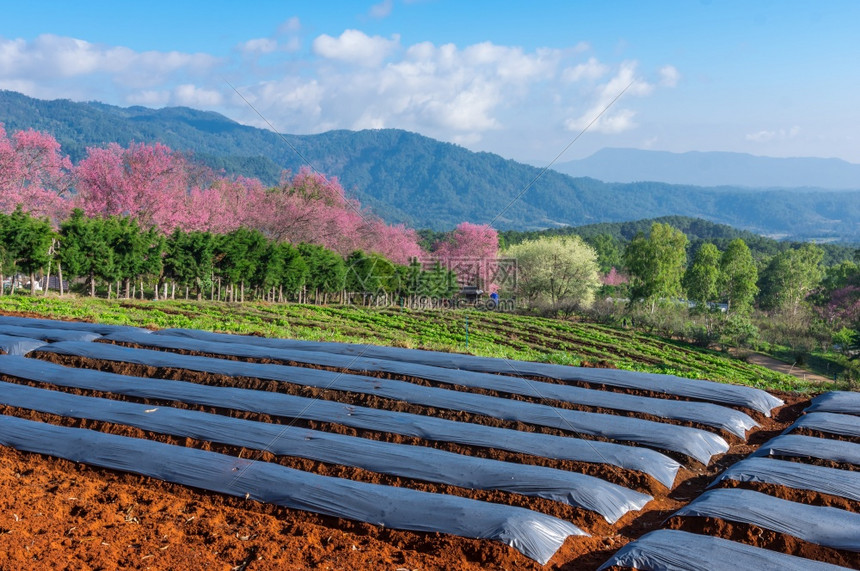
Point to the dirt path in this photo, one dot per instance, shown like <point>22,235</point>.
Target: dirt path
<point>783,367</point>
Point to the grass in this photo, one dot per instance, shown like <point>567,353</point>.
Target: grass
<point>490,334</point>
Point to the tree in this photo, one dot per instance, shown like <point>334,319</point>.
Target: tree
<point>295,271</point>
<point>149,182</point>
<point>843,308</point>
<point>85,248</point>
<point>608,252</point>
<point>188,259</point>
<point>839,276</point>
<point>311,208</point>
<point>738,276</point>
<point>27,242</point>
<point>700,279</point>
<point>656,264</point>
<point>326,270</point>
<point>34,174</point>
<point>368,273</point>
<point>436,282</point>
<point>130,248</point>
<point>470,251</point>
<point>238,255</point>
<point>556,271</point>
<point>790,277</point>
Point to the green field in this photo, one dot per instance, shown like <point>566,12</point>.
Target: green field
<point>511,336</point>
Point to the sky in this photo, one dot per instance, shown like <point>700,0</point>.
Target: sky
<point>523,80</point>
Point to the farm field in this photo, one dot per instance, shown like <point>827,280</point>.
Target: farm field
<point>543,463</point>
<point>489,334</point>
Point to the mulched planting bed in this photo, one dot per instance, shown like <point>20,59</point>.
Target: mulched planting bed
<point>767,539</point>
<point>358,399</point>
<point>56,514</point>
<point>803,496</point>
<point>429,383</point>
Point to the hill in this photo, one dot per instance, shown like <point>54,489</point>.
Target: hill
<point>406,177</point>
<point>715,169</point>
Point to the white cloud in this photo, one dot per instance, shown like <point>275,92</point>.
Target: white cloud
<point>512,64</point>
<point>50,57</point>
<point>592,69</point>
<point>353,81</point>
<point>258,46</point>
<point>354,46</point>
<point>765,136</point>
<point>20,85</point>
<point>288,35</point>
<point>193,96</point>
<point>291,45</point>
<point>602,116</point>
<point>669,76</point>
<point>149,98</point>
<point>290,26</point>
<point>381,10</point>
<point>292,104</point>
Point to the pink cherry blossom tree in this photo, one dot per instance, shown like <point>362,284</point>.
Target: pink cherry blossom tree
<point>225,205</point>
<point>312,208</point>
<point>471,251</point>
<point>614,278</point>
<point>35,174</point>
<point>147,182</point>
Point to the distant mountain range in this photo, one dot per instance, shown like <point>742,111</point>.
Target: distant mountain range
<point>409,178</point>
<point>715,169</point>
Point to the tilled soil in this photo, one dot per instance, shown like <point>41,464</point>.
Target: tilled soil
<point>56,514</point>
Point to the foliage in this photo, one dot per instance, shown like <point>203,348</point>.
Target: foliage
<point>326,270</point>
<point>26,242</point>
<point>701,278</point>
<point>698,232</point>
<point>85,249</point>
<point>790,277</point>
<point>656,264</point>
<point>738,330</point>
<point>34,174</point>
<point>370,274</point>
<point>555,271</point>
<point>608,250</point>
<point>738,275</point>
<point>189,259</point>
<point>846,340</point>
<point>469,250</point>
<point>842,308</point>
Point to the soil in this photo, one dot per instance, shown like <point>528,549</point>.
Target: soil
<point>56,514</point>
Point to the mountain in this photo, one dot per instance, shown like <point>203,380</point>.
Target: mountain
<point>409,178</point>
<point>715,169</point>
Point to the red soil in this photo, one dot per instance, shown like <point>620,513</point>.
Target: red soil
<point>56,514</point>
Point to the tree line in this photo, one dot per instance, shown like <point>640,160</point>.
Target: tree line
<point>117,257</point>
<point>714,294</point>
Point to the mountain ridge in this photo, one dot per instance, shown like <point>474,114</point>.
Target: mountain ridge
<point>716,168</point>
<point>409,178</point>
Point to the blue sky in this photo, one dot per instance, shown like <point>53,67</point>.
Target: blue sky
<point>774,78</point>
